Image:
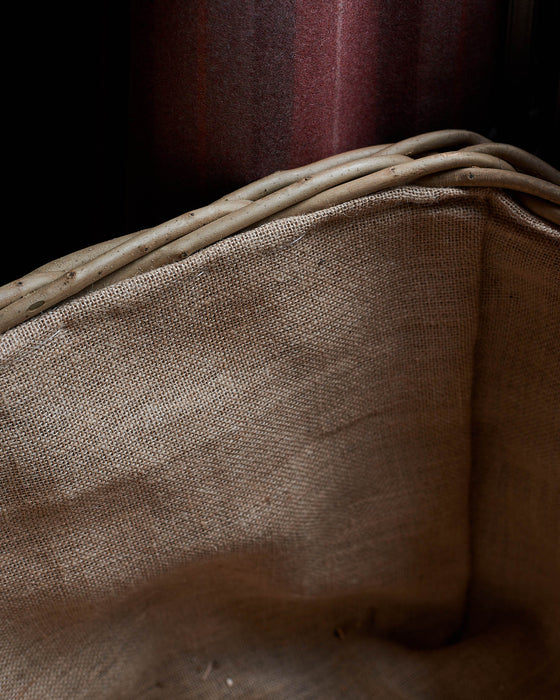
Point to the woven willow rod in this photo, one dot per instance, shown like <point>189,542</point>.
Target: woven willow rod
<point>334,180</point>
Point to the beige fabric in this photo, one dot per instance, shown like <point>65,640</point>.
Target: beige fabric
<point>320,459</point>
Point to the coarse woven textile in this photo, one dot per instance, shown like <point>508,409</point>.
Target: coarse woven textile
<point>221,93</point>
<point>318,459</point>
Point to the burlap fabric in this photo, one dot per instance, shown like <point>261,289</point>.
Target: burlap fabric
<point>320,459</point>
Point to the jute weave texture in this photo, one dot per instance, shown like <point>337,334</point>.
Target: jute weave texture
<point>319,459</point>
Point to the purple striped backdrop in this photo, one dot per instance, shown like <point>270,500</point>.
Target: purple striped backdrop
<point>223,92</point>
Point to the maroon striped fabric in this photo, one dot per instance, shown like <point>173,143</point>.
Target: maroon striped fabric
<point>225,92</point>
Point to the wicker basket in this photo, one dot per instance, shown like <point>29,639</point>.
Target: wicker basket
<point>316,459</point>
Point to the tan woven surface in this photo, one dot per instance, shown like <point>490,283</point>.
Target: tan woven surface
<point>320,459</point>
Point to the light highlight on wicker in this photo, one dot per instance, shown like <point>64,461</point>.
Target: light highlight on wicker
<point>467,160</point>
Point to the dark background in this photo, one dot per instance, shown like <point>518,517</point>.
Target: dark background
<point>105,120</point>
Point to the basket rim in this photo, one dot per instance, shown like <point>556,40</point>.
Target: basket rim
<point>445,158</point>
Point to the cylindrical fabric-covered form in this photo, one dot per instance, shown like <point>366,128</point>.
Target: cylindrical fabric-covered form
<point>222,93</point>
<point>317,459</point>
